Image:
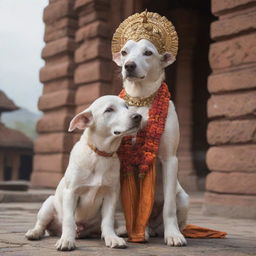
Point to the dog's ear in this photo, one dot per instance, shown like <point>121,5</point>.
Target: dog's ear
<point>167,59</point>
<point>81,121</point>
<point>116,57</point>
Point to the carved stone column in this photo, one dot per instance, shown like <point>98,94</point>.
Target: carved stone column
<point>93,72</point>
<point>53,144</point>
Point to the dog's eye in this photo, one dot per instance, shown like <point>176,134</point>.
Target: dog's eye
<point>109,110</point>
<point>126,106</point>
<point>124,53</point>
<point>148,53</point>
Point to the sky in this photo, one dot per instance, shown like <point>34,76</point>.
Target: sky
<point>21,43</point>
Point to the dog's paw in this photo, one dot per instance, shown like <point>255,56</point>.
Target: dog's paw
<point>34,234</point>
<point>115,242</point>
<point>176,239</point>
<point>64,244</point>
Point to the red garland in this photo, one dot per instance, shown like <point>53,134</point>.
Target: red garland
<point>141,154</point>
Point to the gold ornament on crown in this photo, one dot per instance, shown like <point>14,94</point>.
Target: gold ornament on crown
<point>147,25</point>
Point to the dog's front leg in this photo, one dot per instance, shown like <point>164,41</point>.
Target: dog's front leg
<point>172,234</point>
<point>67,240</point>
<point>107,224</point>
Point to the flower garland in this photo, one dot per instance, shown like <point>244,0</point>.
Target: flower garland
<point>141,154</point>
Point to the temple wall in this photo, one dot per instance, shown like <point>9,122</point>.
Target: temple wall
<point>231,185</point>
<point>78,69</point>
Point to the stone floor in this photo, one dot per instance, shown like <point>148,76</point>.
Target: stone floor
<point>16,218</point>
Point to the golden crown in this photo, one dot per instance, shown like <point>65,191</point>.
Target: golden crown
<point>147,25</point>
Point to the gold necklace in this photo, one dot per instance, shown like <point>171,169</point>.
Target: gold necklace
<point>139,101</point>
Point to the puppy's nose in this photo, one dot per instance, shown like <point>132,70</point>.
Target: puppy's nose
<point>136,118</point>
<point>130,66</point>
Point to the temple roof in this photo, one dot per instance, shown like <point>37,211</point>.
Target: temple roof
<point>10,138</point>
<point>6,104</point>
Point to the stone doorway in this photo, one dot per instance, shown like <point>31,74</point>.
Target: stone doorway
<point>187,79</point>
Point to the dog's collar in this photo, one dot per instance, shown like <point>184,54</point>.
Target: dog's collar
<point>99,152</point>
<point>139,101</point>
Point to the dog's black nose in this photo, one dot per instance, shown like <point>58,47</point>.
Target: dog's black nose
<point>136,118</point>
<point>130,66</point>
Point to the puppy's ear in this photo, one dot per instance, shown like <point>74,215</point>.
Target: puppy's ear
<point>167,59</point>
<point>116,57</point>
<point>81,121</point>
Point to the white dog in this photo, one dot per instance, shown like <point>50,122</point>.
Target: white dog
<point>143,73</point>
<point>91,182</point>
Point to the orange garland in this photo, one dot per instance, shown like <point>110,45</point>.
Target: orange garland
<point>138,172</point>
<point>137,191</point>
<point>143,152</point>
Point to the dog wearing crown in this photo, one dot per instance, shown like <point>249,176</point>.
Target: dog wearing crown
<point>143,46</point>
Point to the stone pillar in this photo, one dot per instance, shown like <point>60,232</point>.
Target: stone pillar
<point>186,27</point>
<point>231,185</point>
<point>93,72</point>
<point>57,102</point>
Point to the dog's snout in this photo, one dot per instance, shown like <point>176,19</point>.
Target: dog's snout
<point>136,118</point>
<point>130,66</point>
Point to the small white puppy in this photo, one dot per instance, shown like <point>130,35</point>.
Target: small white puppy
<point>143,73</point>
<point>91,182</point>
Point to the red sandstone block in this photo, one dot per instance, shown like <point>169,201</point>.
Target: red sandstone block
<point>232,183</point>
<point>236,206</point>
<point>58,85</point>
<point>60,24</point>
<point>63,45</point>
<point>45,179</point>
<point>58,10</point>
<point>56,100</point>
<point>94,10</point>
<point>63,32</point>
<point>231,81</point>
<point>228,132</point>
<point>97,70</point>
<point>233,26</point>
<point>54,71</point>
<point>92,17</point>
<point>82,107</point>
<point>50,162</point>
<point>233,52</point>
<point>225,6</point>
<point>83,3</point>
<point>232,158</point>
<point>54,143</point>
<point>88,93</point>
<point>92,30</point>
<point>59,59</point>
<point>55,121</point>
<point>232,105</point>
<point>92,49</point>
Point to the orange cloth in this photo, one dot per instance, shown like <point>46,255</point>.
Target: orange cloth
<point>138,168</point>
<point>192,231</point>
<point>137,194</point>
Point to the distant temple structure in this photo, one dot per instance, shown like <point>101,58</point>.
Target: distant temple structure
<point>16,148</point>
<point>212,84</point>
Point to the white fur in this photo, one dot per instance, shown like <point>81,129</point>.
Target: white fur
<point>145,80</point>
<point>91,182</point>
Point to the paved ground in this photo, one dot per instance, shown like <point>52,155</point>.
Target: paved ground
<point>16,218</point>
